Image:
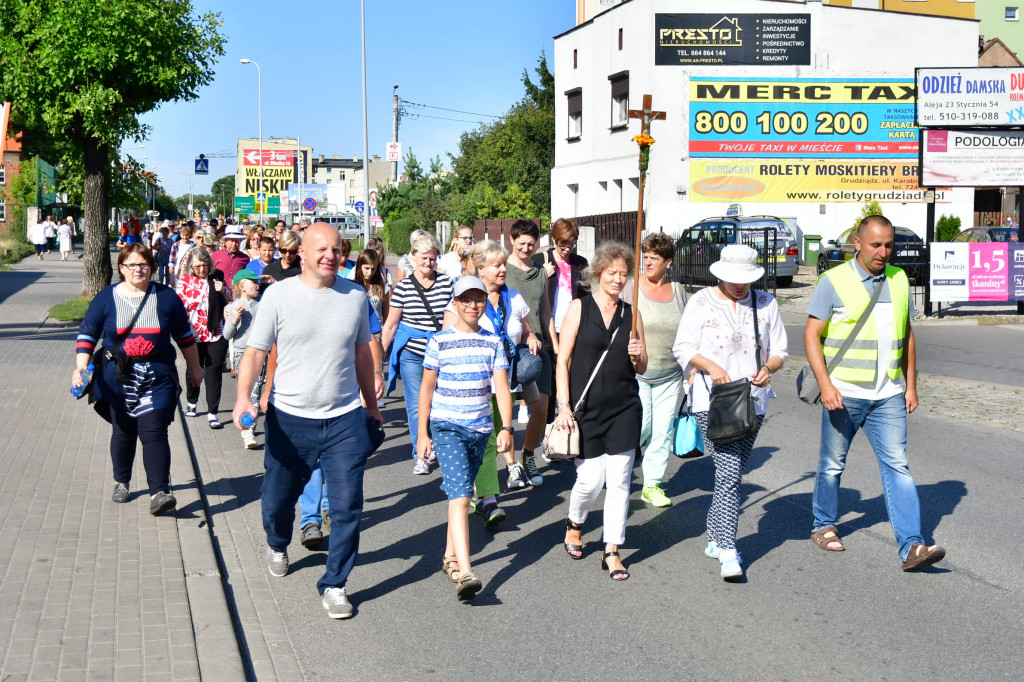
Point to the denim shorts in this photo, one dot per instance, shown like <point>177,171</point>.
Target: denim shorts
<point>459,454</point>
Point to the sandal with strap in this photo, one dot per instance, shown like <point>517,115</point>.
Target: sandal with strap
<point>468,586</point>
<point>822,539</point>
<point>618,573</point>
<point>450,567</point>
<point>574,551</point>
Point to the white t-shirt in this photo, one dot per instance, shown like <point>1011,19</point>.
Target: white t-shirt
<point>450,264</point>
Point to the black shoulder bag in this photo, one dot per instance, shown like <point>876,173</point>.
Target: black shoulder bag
<point>731,416</point>
<point>426,304</point>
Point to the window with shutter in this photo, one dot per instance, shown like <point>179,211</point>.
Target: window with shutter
<point>574,105</point>
<point>620,99</point>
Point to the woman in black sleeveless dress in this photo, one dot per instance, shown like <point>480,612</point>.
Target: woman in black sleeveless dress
<point>610,414</point>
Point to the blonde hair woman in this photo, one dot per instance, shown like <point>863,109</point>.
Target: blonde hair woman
<point>451,262</point>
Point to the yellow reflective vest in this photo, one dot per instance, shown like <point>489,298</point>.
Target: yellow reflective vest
<point>860,362</point>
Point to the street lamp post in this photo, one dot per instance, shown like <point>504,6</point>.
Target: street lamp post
<point>366,145</point>
<point>259,109</point>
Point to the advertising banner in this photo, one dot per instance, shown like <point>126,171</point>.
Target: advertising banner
<point>813,181</point>
<point>280,167</point>
<point>977,271</point>
<point>973,158</point>
<point>987,96</point>
<point>802,117</point>
<point>297,198</point>
<point>248,205</point>
<point>732,39</point>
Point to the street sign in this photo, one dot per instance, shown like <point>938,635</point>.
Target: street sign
<point>247,204</point>
<point>204,213</point>
<point>359,206</point>
<point>202,165</point>
<point>309,204</point>
<point>394,151</point>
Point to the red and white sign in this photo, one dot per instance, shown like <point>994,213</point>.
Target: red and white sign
<point>272,158</point>
<point>393,151</point>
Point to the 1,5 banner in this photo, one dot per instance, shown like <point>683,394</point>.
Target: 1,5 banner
<point>981,271</point>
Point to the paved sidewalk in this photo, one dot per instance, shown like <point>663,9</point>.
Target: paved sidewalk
<point>91,589</point>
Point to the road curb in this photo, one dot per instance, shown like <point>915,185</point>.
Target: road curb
<point>217,646</point>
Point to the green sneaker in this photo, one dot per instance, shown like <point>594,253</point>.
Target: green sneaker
<point>656,496</point>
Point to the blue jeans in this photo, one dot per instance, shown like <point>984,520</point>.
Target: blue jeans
<point>313,499</point>
<point>410,366</point>
<point>294,446</point>
<point>885,424</point>
<point>459,454</point>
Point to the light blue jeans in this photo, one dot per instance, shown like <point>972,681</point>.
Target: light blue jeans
<point>661,404</point>
<point>410,367</point>
<point>313,499</point>
<point>885,424</point>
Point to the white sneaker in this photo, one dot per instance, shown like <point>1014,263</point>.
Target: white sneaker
<point>190,409</point>
<point>248,440</point>
<point>731,568</point>
<point>380,403</point>
<point>523,415</point>
<point>421,468</point>
<point>712,550</point>
<point>336,602</point>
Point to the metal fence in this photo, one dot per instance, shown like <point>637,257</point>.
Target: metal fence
<point>695,253</point>
<point>497,230</point>
<point>619,227</point>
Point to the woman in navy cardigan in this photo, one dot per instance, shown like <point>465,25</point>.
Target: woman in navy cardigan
<point>137,390</point>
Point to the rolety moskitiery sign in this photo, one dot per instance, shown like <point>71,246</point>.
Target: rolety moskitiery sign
<point>729,39</point>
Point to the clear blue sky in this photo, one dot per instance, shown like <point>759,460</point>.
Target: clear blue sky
<point>457,54</point>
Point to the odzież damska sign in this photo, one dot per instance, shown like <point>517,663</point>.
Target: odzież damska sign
<point>952,97</point>
<point>730,39</point>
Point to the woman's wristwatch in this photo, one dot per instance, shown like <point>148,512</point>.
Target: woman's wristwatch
<point>508,428</point>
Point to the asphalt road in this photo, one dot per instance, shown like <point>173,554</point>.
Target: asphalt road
<point>801,613</point>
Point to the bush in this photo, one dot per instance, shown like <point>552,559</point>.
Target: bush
<point>15,250</point>
<point>70,311</point>
<point>946,228</point>
<point>398,232</point>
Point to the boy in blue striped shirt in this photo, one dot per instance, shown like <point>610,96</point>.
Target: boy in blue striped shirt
<point>463,365</point>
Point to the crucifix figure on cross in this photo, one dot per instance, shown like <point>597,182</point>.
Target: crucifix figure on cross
<point>644,141</point>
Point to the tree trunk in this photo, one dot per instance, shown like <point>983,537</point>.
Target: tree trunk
<point>95,198</point>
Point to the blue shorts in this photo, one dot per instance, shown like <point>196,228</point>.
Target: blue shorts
<point>459,454</point>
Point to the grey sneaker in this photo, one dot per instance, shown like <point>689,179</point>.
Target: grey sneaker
<point>515,476</point>
<point>311,536</point>
<point>421,468</point>
<point>161,502</point>
<point>277,563</point>
<point>530,464</point>
<point>336,602</point>
<point>121,494</point>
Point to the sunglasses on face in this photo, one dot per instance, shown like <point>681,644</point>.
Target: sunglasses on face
<point>289,252</point>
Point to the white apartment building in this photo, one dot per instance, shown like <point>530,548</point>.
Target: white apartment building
<point>344,179</point>
<point>795,109</point>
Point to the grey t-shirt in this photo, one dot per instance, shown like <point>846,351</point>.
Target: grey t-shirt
<point>316,332</point>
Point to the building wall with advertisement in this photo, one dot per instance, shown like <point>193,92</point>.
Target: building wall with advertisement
<point>787,108</point>
<point>280,168</point>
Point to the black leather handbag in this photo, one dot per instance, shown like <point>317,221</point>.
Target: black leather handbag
<point>731,416</point>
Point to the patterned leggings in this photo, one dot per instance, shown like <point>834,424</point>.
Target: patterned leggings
<point>730,460</point>
<point>261,378</point>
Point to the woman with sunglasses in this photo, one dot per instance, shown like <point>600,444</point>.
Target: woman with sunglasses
<point>288,265</point>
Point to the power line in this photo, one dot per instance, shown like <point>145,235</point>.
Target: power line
<point>457,111</point>
<point>441,118</point>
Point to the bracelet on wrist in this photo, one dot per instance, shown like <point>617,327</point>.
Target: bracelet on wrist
<point>561,404</point>
<point>508,428</point>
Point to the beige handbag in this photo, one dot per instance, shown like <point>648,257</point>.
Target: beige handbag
<point>559,444</point>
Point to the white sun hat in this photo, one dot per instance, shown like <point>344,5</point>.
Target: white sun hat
<point>737,264</point>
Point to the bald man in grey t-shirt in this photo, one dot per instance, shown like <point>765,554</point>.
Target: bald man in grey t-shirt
<point>320,324</point>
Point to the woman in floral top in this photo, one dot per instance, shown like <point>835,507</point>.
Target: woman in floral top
<point>202,291</point>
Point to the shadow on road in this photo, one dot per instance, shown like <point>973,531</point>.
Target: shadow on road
<point>11,282</point>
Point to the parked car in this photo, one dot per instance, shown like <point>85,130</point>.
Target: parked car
<point>700,245</point>
<point>910,253</point>
<point>989,234</point>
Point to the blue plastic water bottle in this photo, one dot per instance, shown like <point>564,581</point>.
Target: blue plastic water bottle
<point>247,420</point>
<point>79,391</point>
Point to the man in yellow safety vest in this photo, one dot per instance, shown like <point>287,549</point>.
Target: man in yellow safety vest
<point>863,390</point>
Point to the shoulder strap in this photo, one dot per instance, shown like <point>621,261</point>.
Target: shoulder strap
<point>848,341</point>
<point>426,304</point>
<point>600,361</point>
<point>757,333</point>
<point>135,318</point>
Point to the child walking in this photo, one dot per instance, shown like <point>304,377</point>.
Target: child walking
<point>237,324</point>
<point>462,367</point>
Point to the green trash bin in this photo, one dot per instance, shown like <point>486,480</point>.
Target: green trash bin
<point>812,247</point>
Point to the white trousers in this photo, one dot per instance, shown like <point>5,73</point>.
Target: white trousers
<point>595,473</point>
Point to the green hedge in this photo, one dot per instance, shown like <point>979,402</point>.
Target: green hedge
<point>398,233</point>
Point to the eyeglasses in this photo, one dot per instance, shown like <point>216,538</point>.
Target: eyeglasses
<point>467,238</point>
<point>567,246</point>
<point>136,266</point>
<point>200,266</point>
<point>289,252</point>
<point>472,302</point>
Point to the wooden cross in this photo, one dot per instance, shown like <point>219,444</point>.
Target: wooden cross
<point>646,115</point>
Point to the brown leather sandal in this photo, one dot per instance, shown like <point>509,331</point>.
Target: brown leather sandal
<point>451,568</point>
<point>821,538</point>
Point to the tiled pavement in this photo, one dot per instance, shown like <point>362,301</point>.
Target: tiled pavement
<point>90,589</point>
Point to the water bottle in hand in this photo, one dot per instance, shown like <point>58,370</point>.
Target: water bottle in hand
<point>79,391</point>
<point>247,420</point>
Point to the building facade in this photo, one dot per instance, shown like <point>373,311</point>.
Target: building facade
<point>791,109</point>
<point>1002,20</point>
<point>344,179</point>
<point>284,161</point>
<point>10,160</point>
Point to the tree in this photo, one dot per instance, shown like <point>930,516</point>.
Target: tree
<point>166,206</point>
<point>223,192</point>
<point>84,71</point>
<point>946,228</point>
<point>869,208</point>
<point>413,169</point>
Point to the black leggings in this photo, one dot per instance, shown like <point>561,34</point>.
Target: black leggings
<point>151,429</point>
<point>211,358</point>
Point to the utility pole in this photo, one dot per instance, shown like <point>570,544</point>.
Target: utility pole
<point>300,172</point>
<point>394,131</point>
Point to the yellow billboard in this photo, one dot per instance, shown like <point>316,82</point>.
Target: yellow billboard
<point>806,180</point>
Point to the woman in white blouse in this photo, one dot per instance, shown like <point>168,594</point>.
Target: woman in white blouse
<point>716,342</point>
